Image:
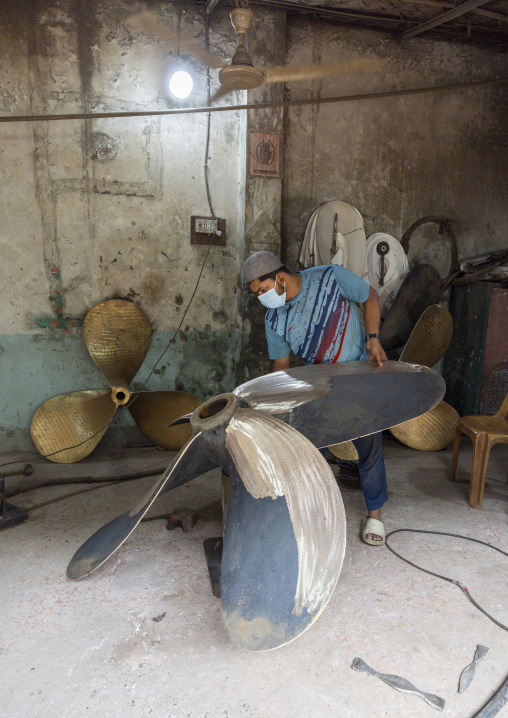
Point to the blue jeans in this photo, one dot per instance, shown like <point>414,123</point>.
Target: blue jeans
<point>372,469</point>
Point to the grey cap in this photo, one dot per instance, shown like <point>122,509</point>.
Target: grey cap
<point>260,264</point>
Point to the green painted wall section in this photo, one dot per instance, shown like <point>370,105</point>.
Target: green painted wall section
<point>34,368</point>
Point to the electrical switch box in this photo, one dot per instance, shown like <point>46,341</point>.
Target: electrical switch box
<point>207,230</point>
<point>207,226</point>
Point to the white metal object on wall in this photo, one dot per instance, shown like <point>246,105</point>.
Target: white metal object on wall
<point>386,267</point>
<point>335,235</point>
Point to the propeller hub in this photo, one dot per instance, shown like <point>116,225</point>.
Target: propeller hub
<point>120,395</point>
<point>215,413</point>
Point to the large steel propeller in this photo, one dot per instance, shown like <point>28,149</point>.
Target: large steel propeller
<point>284,538</point>
<point>68,427</point>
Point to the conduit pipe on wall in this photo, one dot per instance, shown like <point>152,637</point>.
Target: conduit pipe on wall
<point>258,105</point>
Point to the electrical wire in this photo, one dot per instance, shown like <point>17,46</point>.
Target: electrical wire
<point>209,199</point>
<point>462,586</point>
<point>209,114</point>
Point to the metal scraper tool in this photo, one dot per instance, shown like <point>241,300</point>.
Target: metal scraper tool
<point>467,674</point>
<point>399,684</point>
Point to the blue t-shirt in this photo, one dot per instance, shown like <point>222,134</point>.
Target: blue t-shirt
<point>321,324</point>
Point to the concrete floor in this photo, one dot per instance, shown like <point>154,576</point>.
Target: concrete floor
<point>90,648</point>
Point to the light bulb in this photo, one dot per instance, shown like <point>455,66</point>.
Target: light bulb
<point>181,84</point>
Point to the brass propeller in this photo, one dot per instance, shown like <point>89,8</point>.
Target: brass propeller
<point>68,427</point>
<point>240,73</point>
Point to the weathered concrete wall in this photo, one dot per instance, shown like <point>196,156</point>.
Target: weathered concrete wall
<point>262,194</point>
<point>398,159</point>
<point>77,230</point>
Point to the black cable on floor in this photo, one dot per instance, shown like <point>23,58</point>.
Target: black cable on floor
<point>445,578</point>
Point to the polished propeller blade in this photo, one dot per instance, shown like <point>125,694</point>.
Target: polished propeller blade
<point>285,533</point>
<point>332,403</point>
<point>145,21</point>
<point>117,334</point>
<point>315,71</point>
<point>68,427</point>
<point>192,461</point>
<point>430,338</point>
<point>154,411</point>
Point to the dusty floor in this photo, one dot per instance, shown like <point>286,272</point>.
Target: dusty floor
<point>90,648</point>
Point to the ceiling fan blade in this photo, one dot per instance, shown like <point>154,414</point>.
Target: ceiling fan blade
<point>430,338</point>
<point>78,419</point>
<point>117,334</point>
<point>332,403</point>
<point>154,411</point>
<point>221,92</point>
<point>145,21</point>
<point>285,533</point>
<point>314,71</point>
<point>192,461</point>
<point>208,59</point>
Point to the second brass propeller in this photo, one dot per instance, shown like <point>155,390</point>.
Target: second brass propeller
<point>68,427</point>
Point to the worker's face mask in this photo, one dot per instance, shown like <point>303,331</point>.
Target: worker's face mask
<point>271,299</point>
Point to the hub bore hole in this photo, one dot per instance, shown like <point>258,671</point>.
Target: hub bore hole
<point>215,407</point>
<point>120,395</point>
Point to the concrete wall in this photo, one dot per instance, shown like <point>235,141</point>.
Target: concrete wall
<point>76,230</point>
<point>398,159</point>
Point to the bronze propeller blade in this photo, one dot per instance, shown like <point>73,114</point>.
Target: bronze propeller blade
<point>154,411</point>
<point>432,431</point>
<point>77,420</point>
<point>421,288</point>
<point>427,344</point>
<point>117,335</point>
<point>430,338</point>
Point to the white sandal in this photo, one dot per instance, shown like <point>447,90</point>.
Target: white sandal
<point>373,526</point>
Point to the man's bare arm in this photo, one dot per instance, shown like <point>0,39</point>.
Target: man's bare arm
<point>281,364</point>
<point>372,321</point>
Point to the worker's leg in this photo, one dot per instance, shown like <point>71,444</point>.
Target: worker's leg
<point>372,470</point>
<point>372,475</point>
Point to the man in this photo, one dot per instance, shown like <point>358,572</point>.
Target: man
<point>313,313</point>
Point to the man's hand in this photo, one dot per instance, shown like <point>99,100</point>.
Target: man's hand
<point>375,351</point>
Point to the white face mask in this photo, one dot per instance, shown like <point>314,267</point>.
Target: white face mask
<point>271,299</point>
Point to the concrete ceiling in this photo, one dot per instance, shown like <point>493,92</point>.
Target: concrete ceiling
<point>482,22</point>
